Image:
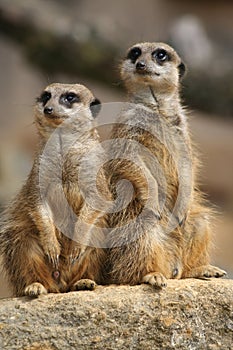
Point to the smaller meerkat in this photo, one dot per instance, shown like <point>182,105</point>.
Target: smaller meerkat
<point>165,233</point>
<point>44,246</point>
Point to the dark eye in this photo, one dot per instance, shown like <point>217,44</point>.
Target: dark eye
<point>134,53</point>
<point>160,55</point>
<point>71,97</point>
<point>44,97</point>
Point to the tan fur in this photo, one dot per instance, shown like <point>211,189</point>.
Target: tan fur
<point>155,119</point>
<point>37,257</point>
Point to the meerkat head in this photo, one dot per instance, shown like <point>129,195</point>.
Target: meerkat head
<point>58,102</point>
<point>156,65</point>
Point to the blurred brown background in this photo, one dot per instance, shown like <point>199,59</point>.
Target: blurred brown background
<point>44,41</point>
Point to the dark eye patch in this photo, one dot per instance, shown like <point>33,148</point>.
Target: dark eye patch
<point>161,55</point>
<point>95,107</point>
<point>44,97</point>
<point>68,98</point>
<point>181,69</point>
<point>134,53</point>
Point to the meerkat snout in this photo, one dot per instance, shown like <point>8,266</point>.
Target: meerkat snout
<point>48,110</point>
<point>140,66</point>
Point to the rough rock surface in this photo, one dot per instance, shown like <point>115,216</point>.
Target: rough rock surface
<point>188,314</point>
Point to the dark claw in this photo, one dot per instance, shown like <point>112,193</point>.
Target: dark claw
<point>32,294</point>
<point>154,214</point>
<point>49,258</point>
<point>53,261</point>
<point>57,261</point>
<point>158,216</point>
<point>182,221</point>
<point>72,259</point>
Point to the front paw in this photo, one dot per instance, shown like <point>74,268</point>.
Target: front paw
<point>155,279</point>
<point>83,284</point>
<point>76,253</point>
<point>53,250</point>
<point>35,289</point>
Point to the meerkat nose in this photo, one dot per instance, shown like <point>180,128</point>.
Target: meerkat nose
<point>141,65</point>
<point>48,110</point>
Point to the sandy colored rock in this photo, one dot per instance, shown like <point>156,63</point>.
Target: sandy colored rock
<point>188,314</point>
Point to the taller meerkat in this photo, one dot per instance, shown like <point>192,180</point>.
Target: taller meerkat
<point>46,239</point>
<point>164,232</point>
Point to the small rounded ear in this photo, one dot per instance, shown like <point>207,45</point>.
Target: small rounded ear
<point>95,107</point>
<point>181,69</point>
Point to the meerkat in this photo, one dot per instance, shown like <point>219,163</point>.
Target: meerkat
<point>45,247</point>
<point>164,230</point>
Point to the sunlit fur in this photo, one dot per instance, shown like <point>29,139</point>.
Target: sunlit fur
<point>157,255</point>
<point>37,257</point>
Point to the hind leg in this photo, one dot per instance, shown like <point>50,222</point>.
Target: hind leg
<point>197,252</point>
<point>205,271</point>
<point>26,266</point>
<point>38,276</point>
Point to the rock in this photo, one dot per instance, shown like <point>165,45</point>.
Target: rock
<point>188,314</point>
